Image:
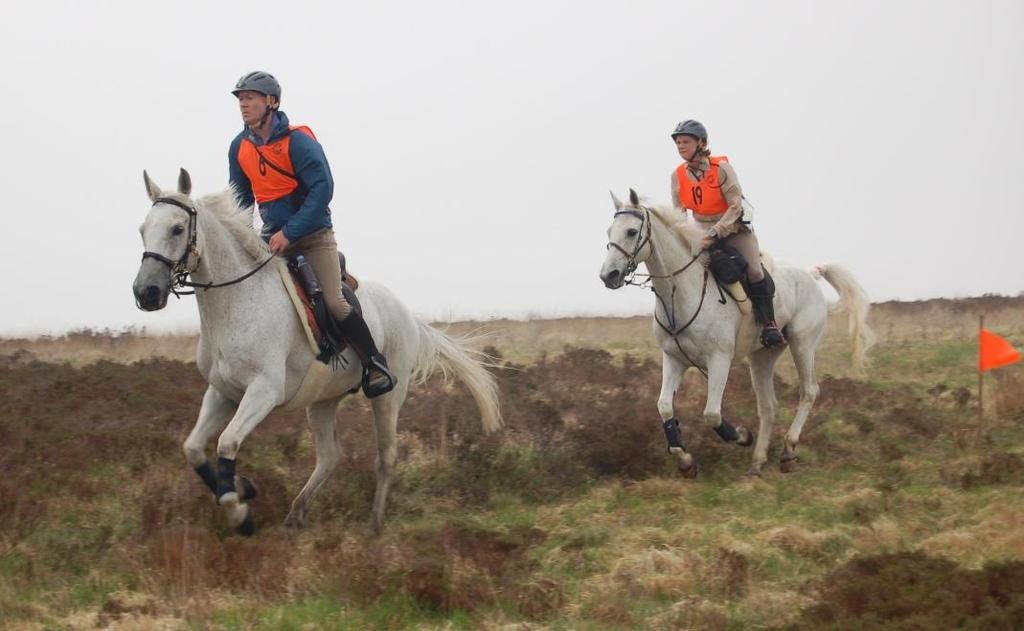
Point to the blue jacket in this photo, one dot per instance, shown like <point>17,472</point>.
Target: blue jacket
<point>305,210</point>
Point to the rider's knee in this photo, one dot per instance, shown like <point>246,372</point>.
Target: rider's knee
<point>338,307</point>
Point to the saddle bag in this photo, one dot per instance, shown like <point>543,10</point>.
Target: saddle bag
<point>728,265</point>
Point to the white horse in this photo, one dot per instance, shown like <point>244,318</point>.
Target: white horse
<point>256,356</point>
<point>694,327</point>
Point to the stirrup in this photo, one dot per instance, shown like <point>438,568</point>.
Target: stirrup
<point>376,388</point>
<point>771,336</point>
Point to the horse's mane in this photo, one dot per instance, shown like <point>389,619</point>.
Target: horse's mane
<point>690,232</point>
<point>678,224</point>
<point>226,208</point>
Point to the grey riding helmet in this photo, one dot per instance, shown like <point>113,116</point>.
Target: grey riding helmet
<point>259,81</point>
<point>690,128</point>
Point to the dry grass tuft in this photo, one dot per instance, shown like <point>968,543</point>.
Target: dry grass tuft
<point>1009,393</point>
<point>692,613</point>
<point>794,539</point>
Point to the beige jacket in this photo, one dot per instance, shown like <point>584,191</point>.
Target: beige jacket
<point>725,223</point>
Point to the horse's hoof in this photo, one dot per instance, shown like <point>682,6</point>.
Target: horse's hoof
<point>753,472</point>
<point>746,438</point>
<point>246,489</point>
<point>294,523</point>
<point>248,527</point>
<point>788,463</point>
<point>691,471</point>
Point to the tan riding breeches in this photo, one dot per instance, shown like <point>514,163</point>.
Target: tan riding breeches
<point>745,241</point>
<point>321,250</point>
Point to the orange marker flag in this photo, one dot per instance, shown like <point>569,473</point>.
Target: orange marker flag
<point>994,351</point>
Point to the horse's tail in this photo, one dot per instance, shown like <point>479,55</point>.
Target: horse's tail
<point>854,300</point>
<point>452,354</point>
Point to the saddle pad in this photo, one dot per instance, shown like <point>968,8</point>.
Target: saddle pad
<point>302,309</point>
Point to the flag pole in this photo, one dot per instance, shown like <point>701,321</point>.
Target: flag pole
<point>981,376</point>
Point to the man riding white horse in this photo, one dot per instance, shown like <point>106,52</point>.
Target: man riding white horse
<point>284,169</point>
<point>707,185</point>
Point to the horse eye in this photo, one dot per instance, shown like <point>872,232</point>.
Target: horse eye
<point>178,230</point>
<point>632,232</point>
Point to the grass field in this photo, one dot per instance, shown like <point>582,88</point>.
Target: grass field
<point>904,512</point>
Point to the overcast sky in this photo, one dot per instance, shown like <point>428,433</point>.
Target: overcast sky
<point>473,144</point>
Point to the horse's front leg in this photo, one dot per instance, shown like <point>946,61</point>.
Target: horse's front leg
<point>671,374</point>
<point>214,413</point>
<point>259,399</point>
<point>718,376</point>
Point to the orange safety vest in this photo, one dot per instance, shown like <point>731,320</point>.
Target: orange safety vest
<point>269,167</point>
<point>703,197</point>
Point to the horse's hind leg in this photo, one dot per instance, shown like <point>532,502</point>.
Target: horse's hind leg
<point>256,404</point>
<point>671,374</point>
<point>214,413</point>
<point>762,373</point>
<point>385,424</point>
<point>328,454</point>
<point>803,357</point>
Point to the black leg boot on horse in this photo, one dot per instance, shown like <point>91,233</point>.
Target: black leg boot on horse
<point>762,293</point>
<point>377,379</point>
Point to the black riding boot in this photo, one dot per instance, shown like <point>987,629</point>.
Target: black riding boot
<point>762,293</point>
<point>377,379</point>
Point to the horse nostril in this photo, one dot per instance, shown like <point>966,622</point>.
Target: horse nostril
<point>613,274</point>
<point>151,295</point>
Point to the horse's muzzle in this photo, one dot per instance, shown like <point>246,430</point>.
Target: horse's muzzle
<point>150,298</point>
<point>612,279</point>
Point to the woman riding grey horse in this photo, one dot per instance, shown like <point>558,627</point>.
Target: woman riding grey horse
<point>707,185</point>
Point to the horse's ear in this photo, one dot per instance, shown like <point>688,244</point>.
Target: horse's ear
<point>151,189</point>
<point>184,183</point>
<point>634,199</point>
<point>616,201</point>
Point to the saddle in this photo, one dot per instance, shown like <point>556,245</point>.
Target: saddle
<point>330,343</point>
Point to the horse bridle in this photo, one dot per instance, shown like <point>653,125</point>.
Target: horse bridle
<point>644,239</point>
<point>182,268</point>
<point>631,264</point>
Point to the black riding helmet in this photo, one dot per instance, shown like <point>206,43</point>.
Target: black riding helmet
<point>259,81</point>
<point>690,128</point>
